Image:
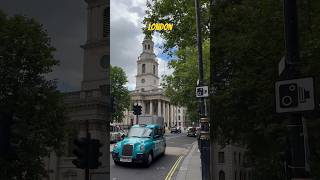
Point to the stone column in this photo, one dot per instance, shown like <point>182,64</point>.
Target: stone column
<point>174,115</point>
<point>171,114</point>
<point>166,113</point>
<point>159,107</point>
<point>143,104</point>
<point>151,107</point>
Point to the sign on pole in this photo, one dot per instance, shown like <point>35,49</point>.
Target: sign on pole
<point>295,95</point>
<point>202,91</point>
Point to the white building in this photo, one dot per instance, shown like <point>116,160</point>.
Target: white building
<point>231,163</point>
<point>90,103</point>
<point>149,94</point>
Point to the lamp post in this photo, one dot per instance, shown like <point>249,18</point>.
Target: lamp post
<point>204,143</point>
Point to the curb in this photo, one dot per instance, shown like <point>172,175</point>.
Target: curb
<point>186,161</point>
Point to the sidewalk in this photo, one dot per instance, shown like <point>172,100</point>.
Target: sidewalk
<point>190,168</point>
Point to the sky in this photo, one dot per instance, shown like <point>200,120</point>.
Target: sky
<point>65,22</point>
<point>126,38</point>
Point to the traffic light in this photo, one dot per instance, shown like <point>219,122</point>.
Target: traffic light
<point>137,109</point>
<point>94,154</point>
<point>81,152</point>
<point>5,131</point>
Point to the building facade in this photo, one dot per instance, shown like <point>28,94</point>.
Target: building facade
<point>149,94</point>
<point>231,163</point>
<point>90,103</point>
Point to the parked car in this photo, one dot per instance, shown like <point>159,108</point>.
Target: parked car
<point>191,131</point>
<point>141,146</point>
<point>175,130</point>
<point>116,134</point>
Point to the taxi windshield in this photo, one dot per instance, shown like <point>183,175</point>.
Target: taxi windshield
<point>140,132</point>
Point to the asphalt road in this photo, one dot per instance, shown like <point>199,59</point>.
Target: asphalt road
<point>178,145</point>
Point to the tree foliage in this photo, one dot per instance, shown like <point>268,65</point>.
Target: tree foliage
<point>181,84</point>
<point>247,44</point>
<point>181,13</point>
<point>26,56</point>
<point>119,92</point>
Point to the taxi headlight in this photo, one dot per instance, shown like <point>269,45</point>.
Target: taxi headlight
<point>141,147</point>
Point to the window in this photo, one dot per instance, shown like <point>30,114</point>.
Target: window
<point>239,158</point>
<point>222,175</point>
<point>145,46</point>
<point>235,157</point>
<point>105,61</point>
<point>154,69</point>
<point>106,22</point>
<point>221,157</point>
<point>178,117</point>
<point>179,123</point>
<point>178,110</point>
<point>148,46</point>
<point>142,89</point>
<point>142,80</point>
<point>143,68</point>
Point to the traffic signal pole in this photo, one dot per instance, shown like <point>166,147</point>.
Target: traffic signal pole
<point>204,143</point>
<point>87,170</point>
<point>296,164</point>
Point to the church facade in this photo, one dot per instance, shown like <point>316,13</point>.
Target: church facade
<point>90,104</point>
<point>150,95</point>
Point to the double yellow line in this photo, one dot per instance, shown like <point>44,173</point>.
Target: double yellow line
<point>173,169</point>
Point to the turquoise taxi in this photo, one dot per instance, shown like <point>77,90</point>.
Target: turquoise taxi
<point>142,145</point>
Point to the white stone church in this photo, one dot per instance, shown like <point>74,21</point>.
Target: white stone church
<point>150,95</point>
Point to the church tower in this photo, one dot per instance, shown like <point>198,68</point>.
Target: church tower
<point>147,76</point>
<point>96,53</point>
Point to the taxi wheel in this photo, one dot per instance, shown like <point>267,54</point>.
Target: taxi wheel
<point>116,163</point>
<point>149,160</point>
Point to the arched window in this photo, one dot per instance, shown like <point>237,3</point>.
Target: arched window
<point>222,175</point>
<point>143,68</point>
<point>154,69</point>
<point>148,46</point>
<point>106,22</point>
<point>145,46</point>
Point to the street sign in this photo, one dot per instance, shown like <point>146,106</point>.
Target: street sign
<point>295,95</point>
<point>202,91</point>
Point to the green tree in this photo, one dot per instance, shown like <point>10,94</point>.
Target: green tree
<point>247,44</point>
<point>181,84</point>
<point>119,92</point>
<point>26,56</point>
<point>181,13</point>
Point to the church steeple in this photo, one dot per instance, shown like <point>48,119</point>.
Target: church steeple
<point>147,75</point>
<point>147,44</point>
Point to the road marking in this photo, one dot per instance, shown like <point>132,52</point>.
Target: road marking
<point>173,169</point>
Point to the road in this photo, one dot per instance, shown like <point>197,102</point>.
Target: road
<point>178,145</point>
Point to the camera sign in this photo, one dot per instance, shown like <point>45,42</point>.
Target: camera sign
<point>202,91</point>
<point>294,95</point>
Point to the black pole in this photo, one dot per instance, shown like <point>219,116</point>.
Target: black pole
<point>204,144</point>
<point>213,80</point>
<point>87,151</point>
<point>296,164</point>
